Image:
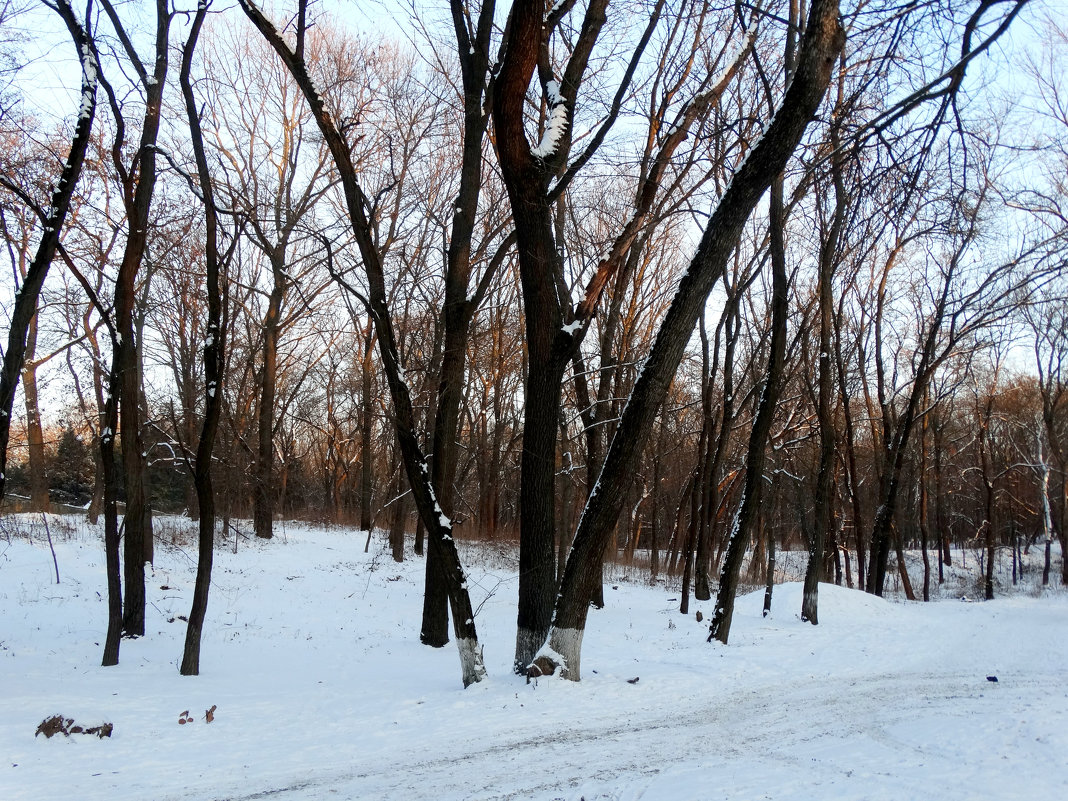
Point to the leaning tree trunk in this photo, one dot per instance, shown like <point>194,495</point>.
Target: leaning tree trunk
<point>439,525</point>
<point>823,39</point>
<point>25,307</point>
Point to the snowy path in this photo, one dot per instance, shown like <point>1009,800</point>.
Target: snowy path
<point>859,743</point>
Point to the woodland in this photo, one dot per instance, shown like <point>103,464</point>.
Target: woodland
<point>684,285</point>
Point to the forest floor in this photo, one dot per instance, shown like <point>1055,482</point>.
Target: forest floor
<point>321,689</point>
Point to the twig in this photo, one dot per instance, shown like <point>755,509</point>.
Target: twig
<point>51,547</point>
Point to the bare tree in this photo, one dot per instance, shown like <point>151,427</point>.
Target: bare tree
<point>214,359</point>
<point>276,176</point>
<point>439,525</point>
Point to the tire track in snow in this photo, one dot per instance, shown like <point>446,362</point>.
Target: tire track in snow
<point>779,722</point>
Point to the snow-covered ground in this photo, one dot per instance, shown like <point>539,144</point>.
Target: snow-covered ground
<point>322,690</point>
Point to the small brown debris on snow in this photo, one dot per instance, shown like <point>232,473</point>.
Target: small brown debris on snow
<point>57,724</point>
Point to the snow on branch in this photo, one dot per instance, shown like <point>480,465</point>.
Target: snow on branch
<point>557,125</point>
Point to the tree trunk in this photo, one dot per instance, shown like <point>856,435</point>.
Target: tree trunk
<point>264,490</point>
<point>704,478</point>
<point>214,361</point>
<point>128,391</point>
<point>945,556</point>
<point>691,539</point>
<point>987,527</point>
<point>822,40</point>
<point>906,583</point>
<point>400,518</point>
<point>769,585</point>
<point>366,420</point>
<point>110,480</point>
<point>138,200</point>
<point>824,501</point>
<point>39,501</point>
<point>924,534</point>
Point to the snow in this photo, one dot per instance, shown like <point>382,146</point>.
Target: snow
<point>311,656</point>
<point>89,81</point>
<point>557,123</point>
<point>572,327</point>
<point>740,51</point>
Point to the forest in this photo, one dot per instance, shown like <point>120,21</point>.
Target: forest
<point>683,285</point>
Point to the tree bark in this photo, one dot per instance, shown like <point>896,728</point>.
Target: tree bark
<point>110,480</point>
<point>458,309</point>
<point>400,518</point>
<point>923,512</point>
<point>549,345</point>
<point>366,420</point>
<point>748,509</point>
<point>137,199</point>
<point>769,584</point>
